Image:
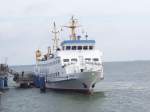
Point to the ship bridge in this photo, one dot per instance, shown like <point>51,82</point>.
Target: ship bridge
<point>78,44</point>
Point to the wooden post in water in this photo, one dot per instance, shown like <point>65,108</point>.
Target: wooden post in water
<point>0,98</point>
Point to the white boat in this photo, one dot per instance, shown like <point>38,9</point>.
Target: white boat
<point>74,64</point>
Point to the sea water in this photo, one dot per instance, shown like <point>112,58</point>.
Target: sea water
<point>125,88</point>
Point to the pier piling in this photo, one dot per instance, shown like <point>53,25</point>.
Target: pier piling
<point>1,83</point>
<point>42,84</point>
<point>0,98</point>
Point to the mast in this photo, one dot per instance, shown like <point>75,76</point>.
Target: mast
<point>73,26</point>
<point>55,39</point>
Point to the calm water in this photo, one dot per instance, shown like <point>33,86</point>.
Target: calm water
<point>126,88</point>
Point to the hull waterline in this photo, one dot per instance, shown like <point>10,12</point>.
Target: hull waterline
<point>85,83</point>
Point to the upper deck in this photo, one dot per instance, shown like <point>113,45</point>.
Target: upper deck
<point>78,44</point>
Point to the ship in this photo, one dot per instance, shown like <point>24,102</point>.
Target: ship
<point>73,64</point>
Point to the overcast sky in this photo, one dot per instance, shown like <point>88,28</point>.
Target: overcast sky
<point>121,28</point>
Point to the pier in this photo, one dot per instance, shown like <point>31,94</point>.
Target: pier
<point>3,76</point>
<point>24,79</point>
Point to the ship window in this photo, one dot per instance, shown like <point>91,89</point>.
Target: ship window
<point>73,47</point>
<point>90,47</point>
<point>68,47</point>
<point>95,59</point>
<point>66,60</point>
<point>87,59</point>
<point>79,47</point>
<point>74,59</point>
<point>85,47</point>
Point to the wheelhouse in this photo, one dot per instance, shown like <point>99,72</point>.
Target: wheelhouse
<point>78,45</point>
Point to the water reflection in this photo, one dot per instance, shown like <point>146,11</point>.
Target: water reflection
<point>79,96</point>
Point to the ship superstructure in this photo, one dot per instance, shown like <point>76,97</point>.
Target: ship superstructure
<point>74,64</point>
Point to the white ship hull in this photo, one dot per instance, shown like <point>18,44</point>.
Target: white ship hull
<point>85,82</point>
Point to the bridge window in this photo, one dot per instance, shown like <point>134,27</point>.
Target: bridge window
<point>85,47</point>
<point>74,59</point>
<point>79,47</point>
<point>95,59</point>
<point>90,47</point>
<point>87,59</point>
<point>73,47</point>
<point>68,47</point>
<point>66,60</point>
